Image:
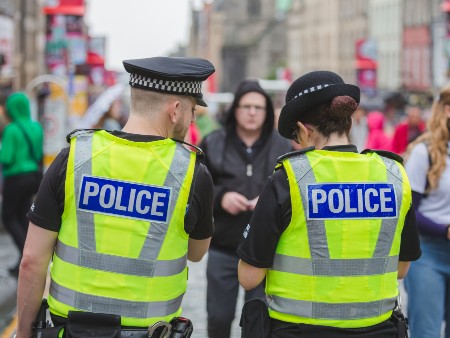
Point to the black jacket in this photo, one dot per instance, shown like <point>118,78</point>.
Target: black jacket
<point>234,168</point>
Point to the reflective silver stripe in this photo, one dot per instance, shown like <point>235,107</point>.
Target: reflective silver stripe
<point>336,311</point>
<point>338,267</point>
<point>317,236</point>
<point>174,179</point>
<point>389,225</point>
<point>321,264</point>
<point>117,264</point>
<point>125,308</point>
<point>83,166</point>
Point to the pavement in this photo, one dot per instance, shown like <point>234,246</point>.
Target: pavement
<point>8,284</point>
<point>194,302</point>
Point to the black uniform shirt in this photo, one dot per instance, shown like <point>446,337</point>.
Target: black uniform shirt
<point>273,215</point>
<point>48,207</point>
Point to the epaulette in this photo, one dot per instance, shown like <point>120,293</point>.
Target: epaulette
<point>199,152</point>
<point>384,153</point>
<point>294,153</point>
<point>78,132</point>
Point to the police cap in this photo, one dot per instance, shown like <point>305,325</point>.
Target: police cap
<point>171,75</point>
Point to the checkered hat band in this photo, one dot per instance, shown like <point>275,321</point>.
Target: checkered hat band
<point>182,87</point>
<point>310,90</point>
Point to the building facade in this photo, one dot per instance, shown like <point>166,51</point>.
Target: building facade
<point>409,41</point>
<point>353,27</point>
<point>245,39</point>
<point>29,41</point>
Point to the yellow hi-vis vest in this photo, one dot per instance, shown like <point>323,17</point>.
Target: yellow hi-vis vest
<point>122,247</point>
<point>336,262</point>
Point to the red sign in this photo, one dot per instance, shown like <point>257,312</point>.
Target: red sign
<point>67,7</point>
<point>366,65</point>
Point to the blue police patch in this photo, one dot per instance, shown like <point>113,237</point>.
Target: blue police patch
<point>351,200</point>
<point>126,199</point>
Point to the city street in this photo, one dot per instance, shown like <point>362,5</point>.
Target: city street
<point>8,284</point>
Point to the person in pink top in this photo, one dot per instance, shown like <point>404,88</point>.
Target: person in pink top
<point>408,130</point>
<point>377,138</point>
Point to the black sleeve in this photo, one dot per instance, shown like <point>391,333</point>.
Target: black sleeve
<point>271,217</point>
<point>219,188</point>
<point>48,206</point>
<point>199,218</point>
<point>410,244</point>
<point>273,214</point>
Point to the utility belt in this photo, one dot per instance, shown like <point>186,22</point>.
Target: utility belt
<point>256,323</point>
<point>100,325</point>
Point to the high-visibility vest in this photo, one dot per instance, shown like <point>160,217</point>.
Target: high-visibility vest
<point>122,247</point>
<point>336,263</point>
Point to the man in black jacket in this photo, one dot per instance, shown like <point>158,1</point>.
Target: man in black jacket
<point>240,157</point>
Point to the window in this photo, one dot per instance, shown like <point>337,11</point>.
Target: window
<point>254,8</point>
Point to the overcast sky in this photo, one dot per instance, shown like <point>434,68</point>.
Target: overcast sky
<point>138,28</point>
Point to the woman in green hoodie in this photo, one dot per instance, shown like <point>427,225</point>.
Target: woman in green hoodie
<point>20,154</point>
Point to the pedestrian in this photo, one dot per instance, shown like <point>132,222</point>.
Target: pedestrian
<point>240,157</point>
<point>124,209</point>
<point>377,137</point>
<point>408,130</point>
<point>359,131</point>
<point>333,229</point>
<point>20,155</point>
<point>428,169</point>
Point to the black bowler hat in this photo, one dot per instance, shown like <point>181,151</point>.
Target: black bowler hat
<point>309,91</point>
<point>170,75</point>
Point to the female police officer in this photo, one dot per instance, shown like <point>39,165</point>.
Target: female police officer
<point>333,229</point>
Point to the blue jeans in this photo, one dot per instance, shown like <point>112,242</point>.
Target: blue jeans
<point>428,288</point>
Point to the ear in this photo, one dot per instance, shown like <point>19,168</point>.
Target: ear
<point>304,133</point>
<point>174,111</point>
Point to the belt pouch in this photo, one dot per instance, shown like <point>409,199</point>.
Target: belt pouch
<point>255,320</point>
<point>90,325</point>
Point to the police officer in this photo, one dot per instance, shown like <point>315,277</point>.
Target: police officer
<point>333,229</point>
<point>120,212</point>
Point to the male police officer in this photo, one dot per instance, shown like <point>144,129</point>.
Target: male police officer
<point>121,211</point>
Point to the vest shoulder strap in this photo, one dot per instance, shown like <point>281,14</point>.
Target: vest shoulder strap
<point>294,153</point>
<point>384,153</point>
<point>197,150</point>
<point>78,132</point>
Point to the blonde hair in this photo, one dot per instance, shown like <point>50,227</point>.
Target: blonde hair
<point>436,138</point>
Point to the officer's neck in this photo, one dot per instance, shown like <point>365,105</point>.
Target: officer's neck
<point>145,126</point>
<point>333,140</point>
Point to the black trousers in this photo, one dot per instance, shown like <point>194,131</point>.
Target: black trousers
<point>281,329</point>
<point>18,192</point>
<point>222,292</point>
